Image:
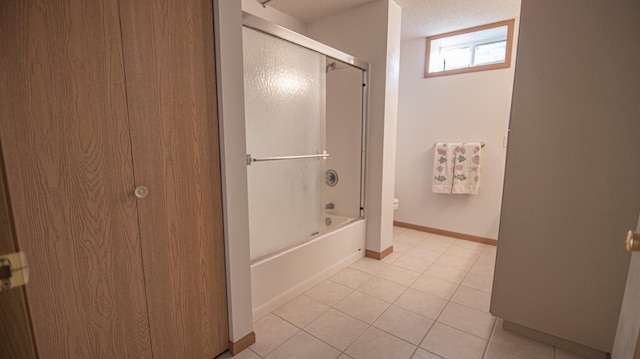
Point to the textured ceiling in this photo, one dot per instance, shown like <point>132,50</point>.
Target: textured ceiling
<point>310,10</point>
<point>420,18</point>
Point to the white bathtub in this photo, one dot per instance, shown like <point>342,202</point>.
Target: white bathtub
<point>289,273</point>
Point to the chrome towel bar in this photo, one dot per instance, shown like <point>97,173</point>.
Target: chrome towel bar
<point>250,159</point>
<point>482,144</point>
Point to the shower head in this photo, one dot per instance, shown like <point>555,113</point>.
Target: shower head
<point>331,66</point>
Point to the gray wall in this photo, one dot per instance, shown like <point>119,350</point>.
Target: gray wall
<point>572,186</point>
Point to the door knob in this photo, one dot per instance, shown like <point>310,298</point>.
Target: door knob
<point>633,241</point>
<point>141,192</point>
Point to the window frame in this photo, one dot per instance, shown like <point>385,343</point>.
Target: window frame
<point>507,61</point>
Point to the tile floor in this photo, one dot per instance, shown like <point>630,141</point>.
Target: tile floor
<point>428,299</point>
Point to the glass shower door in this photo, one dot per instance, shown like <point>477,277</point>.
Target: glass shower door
<point>285,104</point>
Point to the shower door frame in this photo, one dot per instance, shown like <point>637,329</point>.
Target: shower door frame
<point>259,24</point>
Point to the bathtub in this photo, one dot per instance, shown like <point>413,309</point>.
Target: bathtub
<point>288,273</point>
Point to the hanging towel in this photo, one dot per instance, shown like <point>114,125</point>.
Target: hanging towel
<point>443,167</point>
<point>466,169</point>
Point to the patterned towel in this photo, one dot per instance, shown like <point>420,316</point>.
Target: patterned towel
<point>466,172</point>
<point>443,162</point>
<point>456,168</point>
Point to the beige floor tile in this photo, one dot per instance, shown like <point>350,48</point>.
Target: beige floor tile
<point>483,282</point>
<point>376,344</point>
<point>392,257</point>
<point>421,303</point>
<point>413,264</point>
<point>497,351</point>
<point>303,345</point>
<point>401,248</point>
<point>383,289</point>
<point>470,244</point>
<point>482,269</point>
<point>398,231</point>
<point>423,354</point>
<point>447,272</point>
<point>444,240</point>
<point>468,320</point>
<point>456,262</point>
<point>523,345</point>
<point>428,255</point>
<point>362,306</point>
<point>329,292</point>
<point>435,244</point>
<point>408,239</point>
<point>487,258</point>
<point>369,265</point>
<point>414,233</point>
<point>399,275</point>
<point>404,324</point>
<point>490,250</point>
<point>336,329</point>
<point>245,354</point>
<point>351,278</point>
<point>271,331</point>
<point>451,343</point>
<point>435,286</point>
<point>301,311</point>
<point>563,354</point>
<point>463,252</point>
<point>473,298</point>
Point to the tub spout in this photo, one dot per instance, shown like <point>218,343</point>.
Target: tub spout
<point>329,205</point>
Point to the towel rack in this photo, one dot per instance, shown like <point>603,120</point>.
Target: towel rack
<point>482,144</point>
<point>250,159</point>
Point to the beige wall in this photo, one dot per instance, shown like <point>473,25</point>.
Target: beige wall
<point>572,186</point>
<point>472,107</point>
<point>228,22</point>
<point>372,33</point>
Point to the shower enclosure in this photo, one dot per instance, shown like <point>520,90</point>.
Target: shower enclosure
<point>305,128</point>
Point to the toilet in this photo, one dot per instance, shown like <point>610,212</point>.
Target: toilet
<point>395,203</point>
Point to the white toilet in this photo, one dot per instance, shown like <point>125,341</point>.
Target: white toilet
<point>395,203</point>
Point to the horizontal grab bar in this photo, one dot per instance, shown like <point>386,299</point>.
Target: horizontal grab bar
<point>281,158</point>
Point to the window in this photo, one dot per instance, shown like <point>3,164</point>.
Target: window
<point>479,48</point>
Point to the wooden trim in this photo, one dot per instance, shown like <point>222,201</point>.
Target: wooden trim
<point>507,59</point>
<point>378,255</point>
<point>442,232</point>
<point>242,344</point>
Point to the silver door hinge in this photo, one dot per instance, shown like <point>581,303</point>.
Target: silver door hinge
<point>14,270</point>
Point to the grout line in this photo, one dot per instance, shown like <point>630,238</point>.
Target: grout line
<point>406,288</point>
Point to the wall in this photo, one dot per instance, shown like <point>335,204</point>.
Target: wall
<point>228,31</point>
<point>572,179</point>
<point>372,33</point>
<point>471,107</point>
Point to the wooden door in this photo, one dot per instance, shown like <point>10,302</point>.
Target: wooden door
<point>16,339</point>
<point>169,65</point>
<point>70,143</point>
<point>67,151</point>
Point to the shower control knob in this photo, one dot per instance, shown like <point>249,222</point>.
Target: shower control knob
<point>141,192</point>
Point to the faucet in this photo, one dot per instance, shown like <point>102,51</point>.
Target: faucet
<point>329,205</point>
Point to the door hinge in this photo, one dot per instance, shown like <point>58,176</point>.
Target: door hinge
<point>14,270</point>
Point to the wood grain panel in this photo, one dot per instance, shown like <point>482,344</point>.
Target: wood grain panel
<point>169,65</point>
<point>15,327</point>
<point>66,146</point>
